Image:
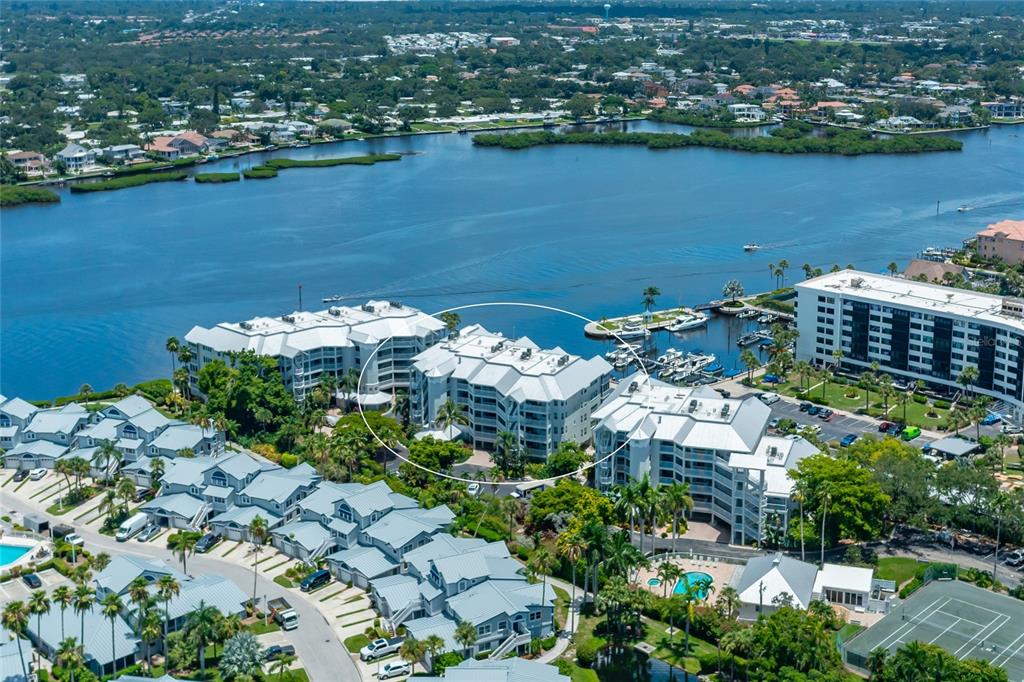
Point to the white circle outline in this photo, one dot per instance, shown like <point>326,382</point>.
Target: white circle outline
<point>539,306</point>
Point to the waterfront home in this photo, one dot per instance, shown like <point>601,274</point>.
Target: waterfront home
<point>378,339</point>
<point>172,147</point>
<point>542,396</point>
<point>76,157</point>
<point>122,153</point>
<point>1011,108</point>
<point>914,331</point>
<point>737,472</point>
<point>29,163</point>
<point>747,112</point>
<point>1003,240</point>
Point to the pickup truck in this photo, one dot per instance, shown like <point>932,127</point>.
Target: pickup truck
<point>379,648</point>
<point>283,613</point>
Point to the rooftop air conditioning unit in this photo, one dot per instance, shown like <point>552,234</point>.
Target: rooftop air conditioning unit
<point>633,386</point>
<point>725,410</point>
<point>288,318</point>
<point>334,310</point>
<point>693,406</point>
<point>525,354</point>
<point>564,360</point>
<point>245,325</point>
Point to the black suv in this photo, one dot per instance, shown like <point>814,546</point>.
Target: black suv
<point>207,542</point>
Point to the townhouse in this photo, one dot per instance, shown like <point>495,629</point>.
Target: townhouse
<point>915,331</point>
<point>737,472</point>
<point>544,397</point>
<point>506,670</point>
<point>378,339</point>
<point>39,437</point>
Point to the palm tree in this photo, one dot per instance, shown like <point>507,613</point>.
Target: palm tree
<point>15,619</point>
<point>729,601</point>
<point>625,503</point>
<point>69,656</point>
<point>642,501</point>
<point>434,645</point>
<point>412,650</point>
<point>750,361</point>
<point>202,627</point>
<point>349,385</point>
<point>167,587</point>
<point>541,564</point>
<point>125,489</point>
<point>826,497</point>
<point>280,665</point>
<point>99,562</point>
<point>511,507</point>
<point>451,320</point>
<point>149,632</point>
<point>967,378</point>
<point>85,390</point>
<point>138,594</point>
<point>85,597</point>
<point>800,496</point>
<point>668,573</point>
<point>508,454</point>
<point>677,503</point>
<point>783,266</point>
<point>63,596</point>
<point>733,289</point>
<point>571,546</point>
<point>38,604</point>
<point>258,536</point>
<point>877,659</point>
<point>732,642</point>
<point>157,467</point>
<point>106,455</point>
<point>450,414</point>
<point>183,543</point>
<point>112,609</point>
<point>650,296</point>
<point>654,512</point>
<point>172,345</point>
<point>465,634</point>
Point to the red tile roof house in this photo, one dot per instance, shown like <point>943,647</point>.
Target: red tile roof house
<point>184,144</point>
<point>30,163</point>
<point>1003,240</point>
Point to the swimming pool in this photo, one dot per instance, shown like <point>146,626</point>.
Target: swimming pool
<point>698,580</point>
<point>654,582</point>
<point>11,553</point>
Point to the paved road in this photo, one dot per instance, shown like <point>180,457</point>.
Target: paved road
<point>322,655</point>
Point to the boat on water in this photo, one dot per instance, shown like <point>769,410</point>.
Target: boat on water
<point>753,337</point>
<point>744,314</point>
<point>687,322</point>
<point>670,356</point>
<point>212,157</point>
<point>767,318</point>
<point>331,299</point>
<point>751,247</point>
<point>715,368</point>
<point>963,208</point>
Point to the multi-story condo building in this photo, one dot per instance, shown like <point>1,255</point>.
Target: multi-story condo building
<point>737,472</point>
<point>311,345</point>
<point>914,331</point>
<point>543,396</point>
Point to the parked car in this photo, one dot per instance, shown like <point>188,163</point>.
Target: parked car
<point>207,542</point>
<point>848,440</point>
<point>804,406</point>
<point>774,423</point>
<point>910,433</point>
<point>278,651</point>
<point>990,419</point>
<point>148,533</point>
<point>1014,558</point>
<point>32,580</point>
<point>884,427</point>
<point>813,410</point>
<point>394,669</point>
<point>1011,429</point>
<point>381,647</point>
<point>769,398</point>
<point>315,579</point>
<point>897,429</point>
<point>473,488</point>
<point>20,475</point>
<point>825,413</point>
<point>37,474</point>
<point>772,379</point>
<point>74,539</point>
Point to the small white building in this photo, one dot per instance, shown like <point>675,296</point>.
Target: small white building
<point>848,586</point>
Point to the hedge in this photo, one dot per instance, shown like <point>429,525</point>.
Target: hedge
<point>920,399</point>
<point>367,160</point>
<point>154,389</point>
<point>260,173</point>
<point>942,404</point>
<point>216,177</point>
<point>587,651</point>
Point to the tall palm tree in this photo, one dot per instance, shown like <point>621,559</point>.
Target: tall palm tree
<point>149,632</point>
<point>138,594</point>
<point>668,573</point>
<point>85,390</point>
<point>649,298</point>
<point>258,536</point>
<point>677,502</point>
<point>625,505</point>
<point>125,489</point>
<point>183,543</point>
<point>167,588</point>
<point>15,619</point>
<point>877,659</point>
<point>826,497</point>
<point>85,597</point>
<point>105,456</point>
<point>572,546</point>
<point>509,454</point>
<point>157,468</point>
<point>465,634</point>
<point>172,345</point>
<point>63,596</point>
<point>800,496</point>
<point>69,656</point>
<point>412,650</point>
<point>434,646</point>
<point>729,601</point>
<point>99,562</point>
<point>541,564</point>
<point>450,414</point>
<point>112,606</point>
<point>349,385</point>
<point>654,511</point>
<point>202,626</point>
<point>38,604</point>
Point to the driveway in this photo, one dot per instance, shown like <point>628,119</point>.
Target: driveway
<point>315,641</point>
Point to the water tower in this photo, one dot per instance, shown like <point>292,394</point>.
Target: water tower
<point>607,8</point>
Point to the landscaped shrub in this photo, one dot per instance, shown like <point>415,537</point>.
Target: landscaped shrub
<point>289,460</point>
<point>941,404</point>
<point>445,660</point>
<point>548,642</point>
<point>587,650</point>
<point>919,399</point>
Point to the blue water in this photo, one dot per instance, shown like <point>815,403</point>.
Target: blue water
<point>91,288</point>
<point>11,553</point>
<point>694,578</point>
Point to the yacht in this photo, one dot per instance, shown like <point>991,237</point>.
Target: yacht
<point>685,322</point>
<point>751,247</point>
<point>670,356</point>
<point>744,314</point>
<point>332,299</point>
<point>767,318</point>
<point>633,330</point>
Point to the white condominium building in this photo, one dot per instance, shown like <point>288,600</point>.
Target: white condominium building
<point>914,331</point>
<point>311,345</point>
<point>737,472</point>
<point>543,396</point>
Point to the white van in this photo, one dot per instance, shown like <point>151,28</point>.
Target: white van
<point>132,527</point>
<point>769,398</point>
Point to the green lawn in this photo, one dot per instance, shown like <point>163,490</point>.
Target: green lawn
<point>284,582</point>
<point>261,628</point>
<point>670,650</point>
<point>356,642</point>
<point>851,398</point>
<point>583,674</point>
<point>900,569</point>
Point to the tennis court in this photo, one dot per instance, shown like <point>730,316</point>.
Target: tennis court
<point>965,620</point>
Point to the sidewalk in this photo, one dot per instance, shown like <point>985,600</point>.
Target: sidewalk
<point>574,620</point>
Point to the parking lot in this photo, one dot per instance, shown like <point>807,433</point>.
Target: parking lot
<point>834,429</point>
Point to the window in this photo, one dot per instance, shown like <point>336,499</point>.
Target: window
<point>534,615</point>
<point>484,629</point>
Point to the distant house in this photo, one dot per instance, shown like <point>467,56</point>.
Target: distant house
<point>29,163</point>
<point>335,125</point>
<point>1010,108</point>
<point>176,146</point>
<point>122,153</point>
<point>747,112</point>
<point>1003,240</point>
<point>931,271</point>
<point>76,157</point>
<point>956,114</point>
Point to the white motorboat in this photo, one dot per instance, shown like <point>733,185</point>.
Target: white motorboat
<point>685,322</point>
<point>633,330</point>
<point>744,314</point>
<point>751,247</point>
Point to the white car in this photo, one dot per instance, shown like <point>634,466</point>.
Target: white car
<point>394,669</point>
<point>473,489</point>
<point>1011,429</point>
<point>37,474</point>
<point>769,398</point>
<point>74,539</point>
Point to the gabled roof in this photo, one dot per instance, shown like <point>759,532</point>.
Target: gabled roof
<point>56,421</point>
<point>440,625</point>
<point>243,516</point>
<point>778,574</point>
<point>492,561</point>
<point>505,670</point>
<point>399,527</point>
<point>177,437</point>
<point>105,429</point>
<point>130,406</point>
<point>124,568</point>
<point>21,409</point>
<point>308,534</point>
<point>209,590</point>
<point>97,645</point>
<point>492,598</point>
<point>398,591</point>
<point>369,561</point>
<point>441,545</point>
<point>39,448</point>
<point>151,420</point>
<point>178,504</point>
<point>276,486</point>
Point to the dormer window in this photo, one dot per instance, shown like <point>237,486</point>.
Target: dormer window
<point>462,586</point>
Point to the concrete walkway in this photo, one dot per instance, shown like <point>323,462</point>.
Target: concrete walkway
<point>573,616</point>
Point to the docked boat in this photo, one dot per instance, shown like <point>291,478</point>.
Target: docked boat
<point>752,338</point>
<point>670,356</point>
<point>745,314</point>
<point>751,247</point>
<point>686,322</point>
<point>715,368</point>
<point>767,318</point>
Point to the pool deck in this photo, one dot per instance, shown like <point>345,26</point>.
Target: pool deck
<point>721,574</point>
<point>25,559</point>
